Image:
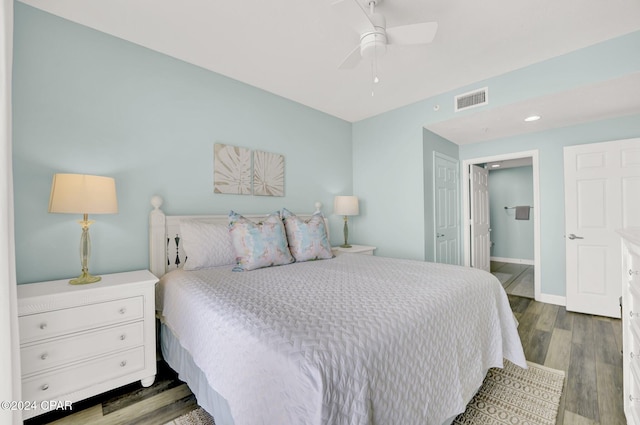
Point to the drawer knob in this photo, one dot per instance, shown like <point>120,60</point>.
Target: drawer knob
<point>44,387</point>
<point>123,310</point>
<point>43,326</point>
<point>44,356</point>
<point>123,363</point>
<point>123,337</point>
<point>632,272</point>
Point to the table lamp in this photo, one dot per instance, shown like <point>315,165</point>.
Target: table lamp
<point>83,194</point>
<point>346,206</point>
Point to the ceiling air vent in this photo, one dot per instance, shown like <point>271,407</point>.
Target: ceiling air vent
<point>472,99</point>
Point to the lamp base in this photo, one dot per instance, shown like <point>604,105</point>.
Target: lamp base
<point>346,234</point>
<point>85,278</point>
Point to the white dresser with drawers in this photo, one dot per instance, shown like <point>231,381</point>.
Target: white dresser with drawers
<point>77,341</point>
<point>631,323</point>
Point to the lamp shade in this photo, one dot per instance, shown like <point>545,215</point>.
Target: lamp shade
<point>346,205</point>
<point>83,194</point>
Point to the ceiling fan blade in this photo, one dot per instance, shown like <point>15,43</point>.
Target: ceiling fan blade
<point>353,14</point>
<point>352,59</point>
<point>422,33</point>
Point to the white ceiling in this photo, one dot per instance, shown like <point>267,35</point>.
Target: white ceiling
<point>293,47</point>
<point>609,99</point>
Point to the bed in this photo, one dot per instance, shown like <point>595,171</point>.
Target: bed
<point>353,339</point>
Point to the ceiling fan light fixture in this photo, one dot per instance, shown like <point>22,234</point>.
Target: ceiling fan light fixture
<point>375,36</point>
<point>373,45</point>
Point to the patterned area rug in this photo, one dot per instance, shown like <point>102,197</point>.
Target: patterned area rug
<point>195,417</point>
<point>512,395</point>
<point>516,396</point>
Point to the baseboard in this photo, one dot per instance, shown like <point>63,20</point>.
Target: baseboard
<point>513,260</point>
<point>552,299</point>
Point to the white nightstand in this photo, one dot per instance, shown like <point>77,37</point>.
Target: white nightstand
<point>77,341</point>
<point>355,249</point>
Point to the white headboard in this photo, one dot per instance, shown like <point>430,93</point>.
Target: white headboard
<point>165,249</point>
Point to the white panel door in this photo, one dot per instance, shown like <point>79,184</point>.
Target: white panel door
<point>480,241</point>
<point>602,194</point>
<point>446,209</point>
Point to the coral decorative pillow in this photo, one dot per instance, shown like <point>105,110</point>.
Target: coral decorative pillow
<point>307,239</point>
<point>258,245</point>
<point>205,244</point>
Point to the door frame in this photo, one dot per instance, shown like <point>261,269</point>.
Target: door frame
<point>466,208</point>
<point>458,211</point>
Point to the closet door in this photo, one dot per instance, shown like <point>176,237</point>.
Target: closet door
<point>446,204</point>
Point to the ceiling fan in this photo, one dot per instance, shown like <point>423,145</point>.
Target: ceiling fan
<point>374,34</point>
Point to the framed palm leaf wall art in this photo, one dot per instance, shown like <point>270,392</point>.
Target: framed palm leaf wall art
<point>231,169</point>
<point>240,171</point>
<point>268,174</point>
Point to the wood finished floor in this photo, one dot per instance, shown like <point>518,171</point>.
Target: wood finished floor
<point>588,348</point>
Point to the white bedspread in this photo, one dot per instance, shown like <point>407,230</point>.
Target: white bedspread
<point>352,340</point>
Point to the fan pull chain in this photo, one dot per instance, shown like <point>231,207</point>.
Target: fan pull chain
<point>373,79</point>
<point>374,69</point>
<point>375,59</point>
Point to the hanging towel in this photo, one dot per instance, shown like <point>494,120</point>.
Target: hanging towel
<point>522,212</point>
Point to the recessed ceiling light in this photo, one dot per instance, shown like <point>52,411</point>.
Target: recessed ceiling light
<point>495,165</point>
<point>532,118</point>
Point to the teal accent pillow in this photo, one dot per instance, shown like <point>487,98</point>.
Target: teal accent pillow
<point>258,245</point>
<point>308,239</point>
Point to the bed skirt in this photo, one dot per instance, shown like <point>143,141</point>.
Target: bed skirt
<point>181,361</point>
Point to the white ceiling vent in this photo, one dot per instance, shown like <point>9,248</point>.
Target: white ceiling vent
<point>472,99</point>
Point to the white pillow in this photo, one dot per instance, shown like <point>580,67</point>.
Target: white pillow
<point>205,244</point>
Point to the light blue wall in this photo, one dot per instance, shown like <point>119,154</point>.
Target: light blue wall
<point>511,238</point>
<point>388,151</point>
<point>86,102</point>
<point>388,177</point>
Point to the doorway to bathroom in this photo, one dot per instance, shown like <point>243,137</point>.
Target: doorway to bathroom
<point>501,231</point>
